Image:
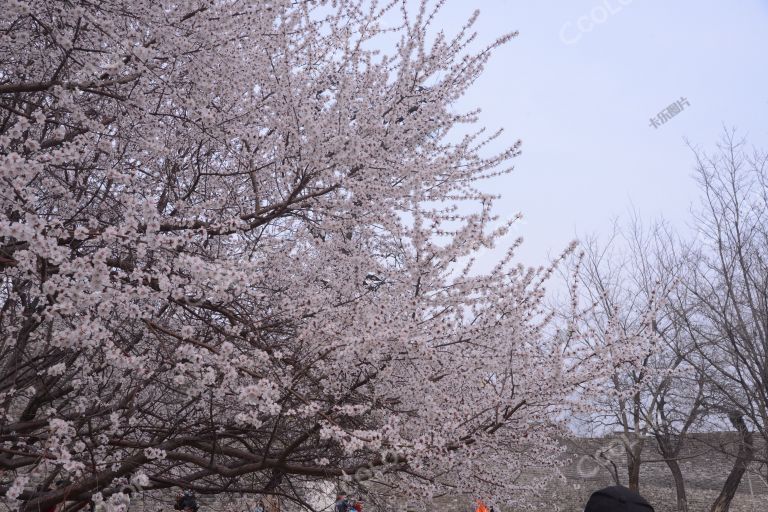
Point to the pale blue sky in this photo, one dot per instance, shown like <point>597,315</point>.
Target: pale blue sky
<point>582,102</point>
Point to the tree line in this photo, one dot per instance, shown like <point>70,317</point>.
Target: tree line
<point>705,288</point>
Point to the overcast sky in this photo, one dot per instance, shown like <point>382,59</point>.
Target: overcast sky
<point>580,85</point>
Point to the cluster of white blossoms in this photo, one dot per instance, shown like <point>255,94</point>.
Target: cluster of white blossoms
<point>229,238</point>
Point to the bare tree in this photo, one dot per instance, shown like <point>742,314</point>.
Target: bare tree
<point>630,279</point>
<point>725,305</point>
<point>709,368</point>
<point>619,304</point>
<point>679,390</point>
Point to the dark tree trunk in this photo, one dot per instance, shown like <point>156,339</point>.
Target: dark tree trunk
<point>634,451</point>
<point>634,476</point>
<point>744,456</point>
<point>677,475</point>
<point>670,449</point>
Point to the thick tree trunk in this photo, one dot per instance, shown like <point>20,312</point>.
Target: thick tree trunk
<point>634,451</point>
<point>634,475</point>
<point>677,475</point>
<point>744,456</point>
<point>670,450</point>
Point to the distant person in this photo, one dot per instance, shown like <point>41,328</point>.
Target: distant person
<point>481,506</point>
<point>186,502</point>
<point>259,507</point>
<point>617,499</point>
<point>342,504</point>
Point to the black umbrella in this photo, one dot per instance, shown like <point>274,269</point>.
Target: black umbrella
<point>617,499</point>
